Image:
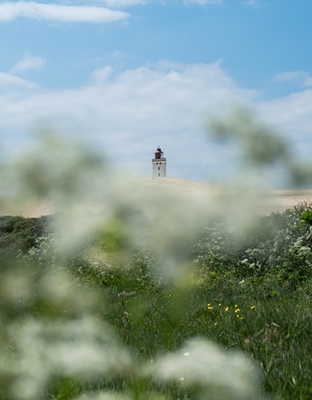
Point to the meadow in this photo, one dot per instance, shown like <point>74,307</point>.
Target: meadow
<point>125,295</point>
<point>249,292</point>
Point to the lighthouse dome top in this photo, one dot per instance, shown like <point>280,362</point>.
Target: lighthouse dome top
<point>158,153</point>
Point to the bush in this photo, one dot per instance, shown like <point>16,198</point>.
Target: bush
<point>18,233</point>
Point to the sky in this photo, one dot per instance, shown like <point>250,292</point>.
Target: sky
<point>127,76</point>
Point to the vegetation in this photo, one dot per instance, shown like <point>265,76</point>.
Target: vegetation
<point>18,233</point>
<point>119,296</point>
<point>249,291</point>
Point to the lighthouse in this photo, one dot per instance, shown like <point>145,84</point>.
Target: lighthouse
<point>159,164</point>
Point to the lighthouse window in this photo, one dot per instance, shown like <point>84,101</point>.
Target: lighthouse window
<point>158,174</point>
<point>160,163</point>
<point>158,168</point>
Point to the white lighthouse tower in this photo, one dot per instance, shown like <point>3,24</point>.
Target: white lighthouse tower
<point>159,164</point>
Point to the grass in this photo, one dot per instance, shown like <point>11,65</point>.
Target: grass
<point>274,330</point>
<point>265,317</point>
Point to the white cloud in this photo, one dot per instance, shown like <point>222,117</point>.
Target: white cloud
<point>202,2</point>
<point>102,74</point>
<point>290,112</point>
<point>28,62</point>
<point>132,112</point>
<point>300,78</point>
<point>56,12</point>
<point>8,81</point>
<point>292,116</point>
<point>123,3</point>
<point>166,65</point>
<point>252,3</point>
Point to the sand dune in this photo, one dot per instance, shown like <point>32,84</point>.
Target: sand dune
<point>268,201</point>
<point>191,191</point>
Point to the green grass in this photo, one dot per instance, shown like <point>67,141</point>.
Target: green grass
<point>266,314</point>
<point>274,330</point>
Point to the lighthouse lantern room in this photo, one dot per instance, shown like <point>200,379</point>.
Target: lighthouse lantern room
<point>159,164</point>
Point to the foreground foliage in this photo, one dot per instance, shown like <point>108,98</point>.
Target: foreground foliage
<point>250,292</point>
<point>124,294</point>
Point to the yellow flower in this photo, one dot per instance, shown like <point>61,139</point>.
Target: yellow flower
<point>226,308</point>
<point>252,307</point>
<point>237,310</point>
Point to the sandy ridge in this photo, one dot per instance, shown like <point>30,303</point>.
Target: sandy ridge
<point>192,191</point>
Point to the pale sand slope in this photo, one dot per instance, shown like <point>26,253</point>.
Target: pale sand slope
<point>268,201</point>
<point>280,200</point>
<point>192,192</point>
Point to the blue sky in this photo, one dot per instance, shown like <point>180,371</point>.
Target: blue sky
<point>129,75</point>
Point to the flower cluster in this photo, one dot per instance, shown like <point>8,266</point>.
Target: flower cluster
<point>235,309</point>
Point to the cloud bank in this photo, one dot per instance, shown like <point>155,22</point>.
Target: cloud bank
<point>133,112</point>
<point>301,78</point>
<point>62,13</point>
